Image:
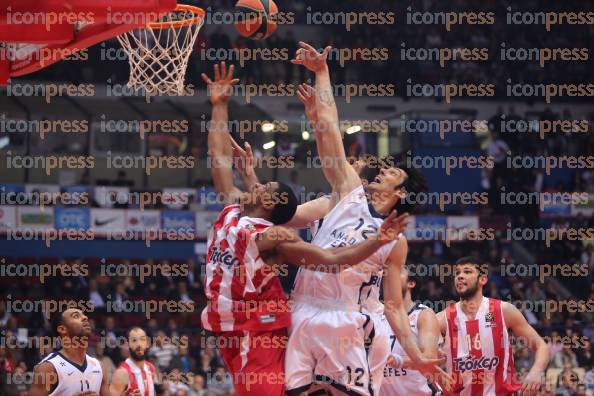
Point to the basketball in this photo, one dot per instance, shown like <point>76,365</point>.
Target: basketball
<point>255,19</point>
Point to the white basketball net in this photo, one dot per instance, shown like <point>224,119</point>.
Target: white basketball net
<point>158,57</point>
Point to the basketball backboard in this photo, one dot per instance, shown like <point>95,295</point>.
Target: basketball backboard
<point>37,33</point>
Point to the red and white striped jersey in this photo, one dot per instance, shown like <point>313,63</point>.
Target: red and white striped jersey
<point>479,351</point>
<point>142,379</point>
<point>243,292</point>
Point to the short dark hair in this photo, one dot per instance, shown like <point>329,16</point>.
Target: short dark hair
<point>416,183</point>
<point>285,206</point>
<point>131,329</point>
<point>56,319</point>
<point>478,263</point>
<point>413,277</point>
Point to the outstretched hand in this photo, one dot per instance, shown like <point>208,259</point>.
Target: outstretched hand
<point>429,367</point>
<point>309,57</point>
<point>393,226</point>
<point>221,88</point>
<point>531,384</point>
<point>307,95</point>
<point>243,157</point>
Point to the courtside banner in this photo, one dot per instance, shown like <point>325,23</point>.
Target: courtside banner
<point>34,218</point>
<point>178,221</point>
<point>430,228</point>
<point>178,198</point>
<point>143,220</point>
<point>204,221</point>
<point>108,220</point>
<point>108,196</point>
<point>72,219</point>
<point>459,227</point>
<point>42,188</point>
<point>79,190</point>
<point>585,209</point>
<point>556,208</point>
<point>409,232</point>
<point>12,188</point>
<point>8,217</point>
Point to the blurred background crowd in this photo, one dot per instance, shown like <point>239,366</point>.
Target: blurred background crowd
<point>188,359</point>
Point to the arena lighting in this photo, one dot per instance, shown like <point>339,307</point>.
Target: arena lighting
<point>267,127</point>
<point>305,135</point>
<point>352,129</point>
<point>269,145</point>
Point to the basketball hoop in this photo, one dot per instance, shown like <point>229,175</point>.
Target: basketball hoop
<point>158,54</point>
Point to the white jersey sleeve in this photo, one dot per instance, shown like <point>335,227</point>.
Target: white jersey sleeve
<point>74,378</point>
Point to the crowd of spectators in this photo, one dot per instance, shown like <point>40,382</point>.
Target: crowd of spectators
<point>186,355</point>
<point>391,36</point>
<point>505,145</point>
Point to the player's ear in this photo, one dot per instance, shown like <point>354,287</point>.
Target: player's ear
<point>61,329</point>
<point>400,193</point>
<point>483,279</point>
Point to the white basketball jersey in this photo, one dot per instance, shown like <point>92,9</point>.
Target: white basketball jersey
<point>351,221</point>
<point>403,381</point>
<point>72,378</point>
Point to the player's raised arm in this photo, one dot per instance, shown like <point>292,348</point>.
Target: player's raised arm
<point>295,251</point>
<point>337,170</point>
<point>309,212</point>
<point>219,149</point>
<point>523,331</point>
<point>306,213</point>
